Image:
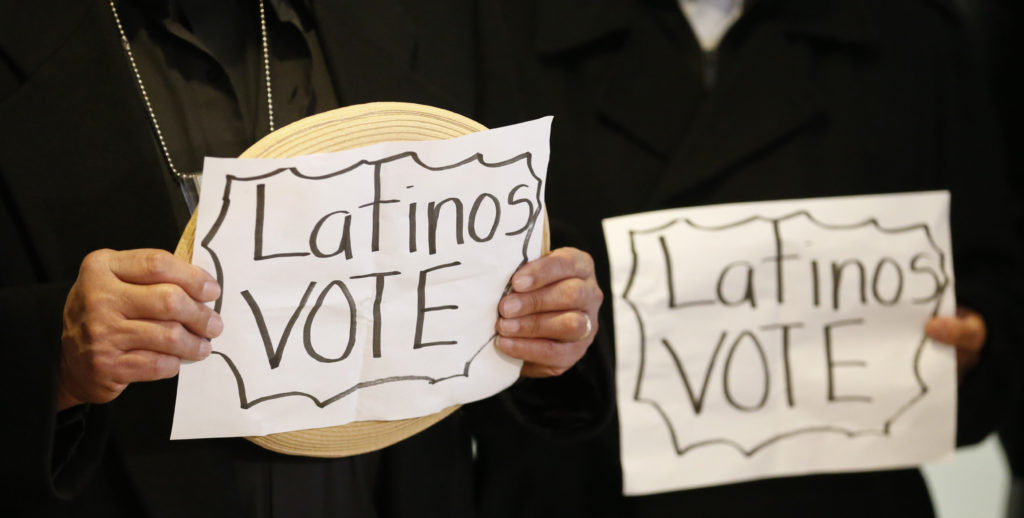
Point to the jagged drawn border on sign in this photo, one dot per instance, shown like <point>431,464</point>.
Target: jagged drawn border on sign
<point>243,398</point>
<point>884,431</point>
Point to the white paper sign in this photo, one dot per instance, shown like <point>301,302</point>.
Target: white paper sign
<point>781,338</point>
<point>361,285</point>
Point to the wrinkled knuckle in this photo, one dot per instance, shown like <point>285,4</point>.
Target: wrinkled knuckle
<point>531,303</point>
<point>588,261</point>
<point>175,336</point>
<point>528,326</point>
<point>93,331</point>
<point>171,301</point>
<point>94,260</point>
<point>157,367</point>
<point>93,299</point>
<point>156,262</point>
<point>574,253</point>
<point>561,296</point>
<point>574,293</point>
<point>581,261</point>
<point>568,264</point>
<point>101,366</point>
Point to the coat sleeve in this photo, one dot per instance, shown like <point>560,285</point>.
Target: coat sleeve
<point>51,460</point>
<point>986,255</point>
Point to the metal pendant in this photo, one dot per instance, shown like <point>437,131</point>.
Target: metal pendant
<point>190,186</point>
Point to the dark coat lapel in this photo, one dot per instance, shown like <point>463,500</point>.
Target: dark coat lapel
<point>56,142</point>
<point>653,65</point>
<point>29,32</point>
<point>618,59</point>
<point>762,99</point>
<point>381,50</point>
<point>757,103</point>
<point>49,126</point>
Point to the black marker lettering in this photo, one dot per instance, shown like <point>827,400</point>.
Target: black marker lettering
<point>376,203</point>
<point>512,200</point>
<point>412,227</point>
<point>777,259</point>
<point>815,283</point>
<point>472,217</point>
<point>345,243</point>
<point>875,282</point>
<point>433,214</point>
<point>274,354</point>
<point>379,295</point>
<point>671,281</point>
<point>307,332</point>
<point>830,365</point>
<point>787,370</point>
<point>940,284</point>
<point>697,400</point>
<point>422,309</point>
<point>837,279</point>
<point>748,293</point>
<point>764,366</point>
<point>257,246</point>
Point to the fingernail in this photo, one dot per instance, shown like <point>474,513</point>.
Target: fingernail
<point>214,326</point>
<point>210,291</point>
<point>522,283</point>
<point>505,344</point>
<point>508,326</point>
<point>205,347</point>
<point>511,306</point>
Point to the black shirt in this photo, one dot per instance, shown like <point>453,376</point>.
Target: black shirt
<point>201,63</point>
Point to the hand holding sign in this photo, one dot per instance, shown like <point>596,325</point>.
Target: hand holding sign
<point>966,332</point>
<point>550,318</point>
<point>132,316</point>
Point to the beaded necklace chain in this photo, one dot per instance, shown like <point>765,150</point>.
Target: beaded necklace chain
<point>190,181</point>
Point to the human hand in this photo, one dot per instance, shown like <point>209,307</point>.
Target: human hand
<point>966,332</point>
<point>550,317</point>
<point>132,316</point>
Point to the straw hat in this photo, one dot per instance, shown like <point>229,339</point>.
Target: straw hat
<point>337,130</point>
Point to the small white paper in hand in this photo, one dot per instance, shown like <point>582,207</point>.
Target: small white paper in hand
<point>781,338</point>
<point>361,285</point>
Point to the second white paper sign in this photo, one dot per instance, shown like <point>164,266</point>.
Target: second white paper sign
<point>781,338</point>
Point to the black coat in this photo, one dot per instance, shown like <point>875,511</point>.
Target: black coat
<point>998,26</point>
<point>805,98</point>
<point>80,169</point>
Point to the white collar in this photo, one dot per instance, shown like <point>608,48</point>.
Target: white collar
<point>711,19</point>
